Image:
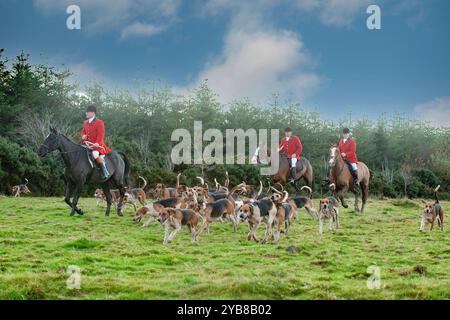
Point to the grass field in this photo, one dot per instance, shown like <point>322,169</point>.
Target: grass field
<point>119,260</point>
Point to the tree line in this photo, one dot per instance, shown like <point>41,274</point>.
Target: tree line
<point>406,157</point>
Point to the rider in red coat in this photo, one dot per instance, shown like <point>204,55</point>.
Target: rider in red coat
<point>347,146</point>
<point>94,132</point>
<point>292,147</point>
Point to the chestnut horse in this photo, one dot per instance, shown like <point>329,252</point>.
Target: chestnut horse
<point>342,178</point>
<point>303,166</point>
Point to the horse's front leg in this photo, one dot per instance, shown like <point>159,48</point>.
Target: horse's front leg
<point>341,196</point>
<point>76,196</point>
<point>69,192</point>
<point>121,204</point>
<point>107,192</point>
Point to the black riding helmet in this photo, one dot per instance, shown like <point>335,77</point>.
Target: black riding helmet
<point>288,129</point>
<point>91,108</point>
<point>346,130</point>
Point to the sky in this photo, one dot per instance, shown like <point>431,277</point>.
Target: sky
<point>318,53</point>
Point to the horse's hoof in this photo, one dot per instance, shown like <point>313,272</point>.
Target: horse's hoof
<point>80,212</point>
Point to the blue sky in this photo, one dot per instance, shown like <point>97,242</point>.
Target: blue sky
<point>318,53</point>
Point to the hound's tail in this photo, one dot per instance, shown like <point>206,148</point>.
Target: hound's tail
<point>145,182</point>
<point>436,194</point>
<point>260,189</point>
<point>202,181</point>
<point>227,180</point>
<point>26,181</point>
<point>217,184</point>
<point>309,191</point>
<point>178,181</point>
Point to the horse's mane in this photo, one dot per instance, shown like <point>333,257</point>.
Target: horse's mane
<point>70,140</point>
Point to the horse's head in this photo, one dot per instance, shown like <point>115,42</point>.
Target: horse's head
<point>334,154</point>
<point>50,143</point>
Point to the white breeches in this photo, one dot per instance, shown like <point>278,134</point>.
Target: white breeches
<point>293,162</point>
<point>354,166</point>
<point>96,154</point>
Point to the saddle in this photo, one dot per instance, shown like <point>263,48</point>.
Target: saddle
<point>349,165</point>
<point>91,158</point>
<point>299,165</point>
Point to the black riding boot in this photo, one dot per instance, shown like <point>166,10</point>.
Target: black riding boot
<point>293,174</point>
<point>105,172</point>
<point>355,179</point>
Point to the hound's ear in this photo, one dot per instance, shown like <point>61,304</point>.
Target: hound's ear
<point>423,201</point>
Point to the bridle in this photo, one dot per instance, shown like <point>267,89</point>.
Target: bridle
<point>335,160</point>
<point>46,146</point>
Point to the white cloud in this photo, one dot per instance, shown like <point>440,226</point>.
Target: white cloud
<point>83,73</point>
<point>436,111</point>
<point>258,64</point>
<point>337,13</point>
<point>99,16</point>
<point>140,29</point>
<point>257,60</point>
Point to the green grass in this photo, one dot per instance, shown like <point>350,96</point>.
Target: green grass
<point>119,260</point>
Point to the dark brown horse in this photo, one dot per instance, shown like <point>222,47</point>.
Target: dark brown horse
<point>303,167</point>
<point>341,177</point>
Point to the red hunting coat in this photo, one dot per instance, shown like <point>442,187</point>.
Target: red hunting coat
<point>95,132</point>
<point>294,145</point>
<point>349,148</point>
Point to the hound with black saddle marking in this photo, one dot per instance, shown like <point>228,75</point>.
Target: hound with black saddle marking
<point>175,218</point>
<point>255,213</point>
<point>138,193</point>
<point>20,188</point>
<point>222,209</point>
<point>432,212</point>
<point>152,210</point>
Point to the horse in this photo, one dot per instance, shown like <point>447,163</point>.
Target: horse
<point>303,167</point>
<point>79,169</point>
<point>341,177</point>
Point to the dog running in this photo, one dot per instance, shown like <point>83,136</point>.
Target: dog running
<point>433,211</point>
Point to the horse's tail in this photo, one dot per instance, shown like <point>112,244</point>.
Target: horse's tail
<point>127,168</point>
